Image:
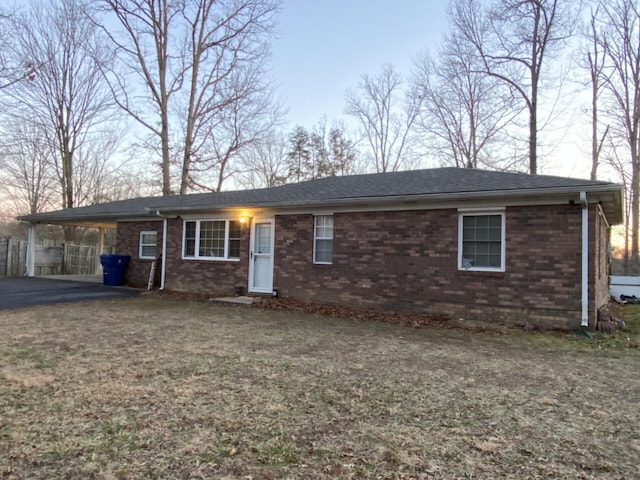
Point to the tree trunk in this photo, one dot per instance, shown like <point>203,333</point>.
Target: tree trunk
<point>635,212</point>
<point>533,140</point>
<point>166,156</point>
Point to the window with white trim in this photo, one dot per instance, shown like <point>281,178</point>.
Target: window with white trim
<point>481,241</point>
<point>211,239</point>
<point>147,245</point>
<point>323,239</point>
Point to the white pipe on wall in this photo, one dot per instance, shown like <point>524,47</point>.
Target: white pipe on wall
<point>163,265</point>
<point>585,259</point>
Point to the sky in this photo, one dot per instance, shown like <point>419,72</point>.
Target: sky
<point>325,46</point>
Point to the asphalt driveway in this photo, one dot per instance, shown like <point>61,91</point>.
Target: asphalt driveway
<point>30,291</point>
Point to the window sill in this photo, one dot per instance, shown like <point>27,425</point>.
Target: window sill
<point>481,273</point>
<point>201,259</point>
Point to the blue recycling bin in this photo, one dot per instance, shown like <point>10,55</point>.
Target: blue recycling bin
<point>113,267</point>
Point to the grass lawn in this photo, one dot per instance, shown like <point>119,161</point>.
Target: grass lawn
<point>160,388</point>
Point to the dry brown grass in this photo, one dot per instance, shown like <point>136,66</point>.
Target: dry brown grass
<point>157,388</point>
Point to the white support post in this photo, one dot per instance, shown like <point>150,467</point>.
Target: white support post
<point>163,265</point>
<point>100,250</point>
<point>31,250</point>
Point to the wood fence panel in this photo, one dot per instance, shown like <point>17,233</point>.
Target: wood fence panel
<point>50,258</point>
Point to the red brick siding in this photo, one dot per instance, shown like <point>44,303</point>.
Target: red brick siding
<point>209,277</point>
<point>128,243</point>
<point>407,261</point>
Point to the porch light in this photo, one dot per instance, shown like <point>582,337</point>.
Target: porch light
<point>243,219</point>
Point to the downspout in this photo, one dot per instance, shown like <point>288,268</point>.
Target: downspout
<point>163,265</point>
<point>31,250</point>
<point>585,259</point>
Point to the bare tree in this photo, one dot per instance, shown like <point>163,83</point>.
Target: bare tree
<point>66,100</point>
<point>617,157</point>
<point>515,39</point>
<point>618,37</point>
<point>265,163</point>
<point>180,57</point>
<point>147,78</point>
<point>13,68</point>
<point>25,169</point>
<point>248,117</point>
<point>465,113</point>
<point>594,63</point>
<point>227,81</point>
<point>386,121</point>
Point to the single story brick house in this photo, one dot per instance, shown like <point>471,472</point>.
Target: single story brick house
<point>493,246</point>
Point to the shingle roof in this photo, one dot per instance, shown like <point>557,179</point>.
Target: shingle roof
<point>423,184</point>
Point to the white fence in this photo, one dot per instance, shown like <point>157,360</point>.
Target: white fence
<point>623,285</point>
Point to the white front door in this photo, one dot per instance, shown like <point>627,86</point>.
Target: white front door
<point>261,256</point>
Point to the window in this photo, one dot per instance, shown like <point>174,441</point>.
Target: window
<point>211,239</point>
<point>323,239</point>
<point>147,247</point>
<point>481,241</point>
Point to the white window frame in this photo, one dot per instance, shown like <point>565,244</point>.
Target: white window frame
<point>477,213</point>
<point>141,245</point>
<point>316,238</point>
<point>196,254</point>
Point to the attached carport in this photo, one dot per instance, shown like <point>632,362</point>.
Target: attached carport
<point>31,239</point>
<point>99,216</point>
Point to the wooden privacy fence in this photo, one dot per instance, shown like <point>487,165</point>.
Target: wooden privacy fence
<point>50,258</point>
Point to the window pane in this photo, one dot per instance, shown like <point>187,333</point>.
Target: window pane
<point>323,241</point>
<point>212,238</point>
<point>494,261</point>
<point>495,234</point>
<point>234,239</point>
<point>481,241</point>
<point>263,238</point>
<point>482,221</point>
<point>324,226</point>
<point>189,239</point>
<point>149,238</point>
<point>324,251</point>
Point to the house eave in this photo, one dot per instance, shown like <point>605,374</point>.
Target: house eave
<point>608,197</point>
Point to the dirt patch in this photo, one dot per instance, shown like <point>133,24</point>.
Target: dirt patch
<point>160,387</point>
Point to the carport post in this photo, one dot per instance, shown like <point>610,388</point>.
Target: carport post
<point>100,249</point>
<point>31,250</point>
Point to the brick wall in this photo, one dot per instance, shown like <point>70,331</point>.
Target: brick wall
<point>128,243</point>
<point>407,261</point>
<point>208,277</point>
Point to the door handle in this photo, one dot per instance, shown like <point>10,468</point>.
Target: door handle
<point>251,254</point>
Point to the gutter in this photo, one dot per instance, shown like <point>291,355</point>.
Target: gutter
<point>585,259</point>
